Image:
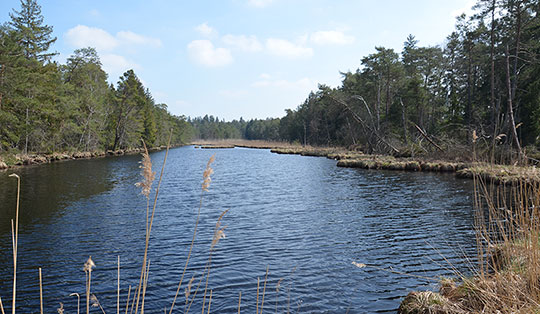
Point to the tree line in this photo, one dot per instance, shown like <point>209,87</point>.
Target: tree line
<point>46,106</point>
<point>481,87</point>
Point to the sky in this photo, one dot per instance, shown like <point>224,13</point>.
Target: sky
<point>239,58</point>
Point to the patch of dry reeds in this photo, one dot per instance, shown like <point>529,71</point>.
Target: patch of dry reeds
<point>507,278</point>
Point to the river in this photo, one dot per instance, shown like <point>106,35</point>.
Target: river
<point>302,217</point>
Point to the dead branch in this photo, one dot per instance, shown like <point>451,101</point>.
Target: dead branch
<point>427,137</point>
<point>364,125</point>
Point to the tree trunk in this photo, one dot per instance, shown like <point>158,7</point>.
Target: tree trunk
<point>510,109</point>
<point>404,121</point>
<point>494,113</point>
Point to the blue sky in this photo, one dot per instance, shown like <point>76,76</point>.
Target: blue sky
<point>240,58</point>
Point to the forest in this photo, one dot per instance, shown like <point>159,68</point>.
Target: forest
<point>481,87</point>
<point>49,107</point>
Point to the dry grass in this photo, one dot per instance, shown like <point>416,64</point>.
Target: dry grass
<point>507,278</point>
<point>230,143</point>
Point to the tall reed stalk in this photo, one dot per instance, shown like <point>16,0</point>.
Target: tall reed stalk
<point>88,266</point>
<point>40,292</point>
<point>15,241</point>
<point>146,184</point>
<point>204,188</point>
<point>118,289</point>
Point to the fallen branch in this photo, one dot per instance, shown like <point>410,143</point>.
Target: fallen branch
<point>359,119</point>
<point>427,137</point>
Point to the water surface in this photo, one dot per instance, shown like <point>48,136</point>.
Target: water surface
<point>302,217</point>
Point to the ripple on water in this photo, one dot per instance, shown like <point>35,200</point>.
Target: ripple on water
<point>302,217</point>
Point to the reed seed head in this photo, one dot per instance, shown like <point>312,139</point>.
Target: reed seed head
<point>187,291</point>
<point>207,173</point>
<point>88,265</point>
<point>61,308</point>
<point>94,300</point>
<point>278,285</point>
<point>219,231</point>
<point>147,174</point>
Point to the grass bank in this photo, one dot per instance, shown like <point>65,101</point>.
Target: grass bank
<point>493,173</point>
<point>10,160</point>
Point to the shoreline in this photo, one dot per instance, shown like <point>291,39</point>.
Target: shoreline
<point>492,173</point>
<point>22,160</point>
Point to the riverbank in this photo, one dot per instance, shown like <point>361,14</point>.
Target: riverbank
<point>493,173</point>
<point>8,161</point>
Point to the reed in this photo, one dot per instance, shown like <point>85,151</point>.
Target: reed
<point>204,188</point>
<point>118,289</point>
<point>40,292</point>
<point>218,234</point>
<point>96,303</point>
<point>15,241</point>
<point>127,302</point>
<point>507,276</point>
<point>78,301</point>
<point>264,288</point>
<point>135,302</point>
<point>88,265</point>
<point>239,301</point>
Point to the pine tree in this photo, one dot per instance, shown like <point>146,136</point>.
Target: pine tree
<point>34,37</point>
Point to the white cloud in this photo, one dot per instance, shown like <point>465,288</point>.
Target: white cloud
<point>128,37</point>
<point>285,48</point>
<point>331,38</point>
<point>206,30</point>
<point>303,84</point>
<point>242,42</point>
<point>83,36</point>
<point>260,3</point>
<point>265,76</point>
<point>204,53</point>
<point>115,65</point>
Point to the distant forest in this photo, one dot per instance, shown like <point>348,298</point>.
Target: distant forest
<point>481,88</point>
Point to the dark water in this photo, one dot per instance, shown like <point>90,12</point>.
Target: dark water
<point>303,217</point>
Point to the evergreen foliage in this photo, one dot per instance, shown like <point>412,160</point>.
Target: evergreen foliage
<point>47,107</point>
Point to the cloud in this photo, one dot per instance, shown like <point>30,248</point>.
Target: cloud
<point>206,30</point>
<point>303,84</point>
<point>204,53</point>
<point>331,38</point>
<point>83,36</point>
<point>259,3</point>
<point>242,42</point>
<point>128,37</point>
<point>115,65</point>
<point>284,48</point>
